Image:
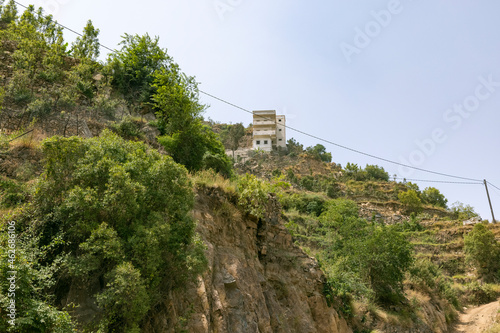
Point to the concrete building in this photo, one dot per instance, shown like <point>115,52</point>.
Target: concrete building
<point>269,131</point>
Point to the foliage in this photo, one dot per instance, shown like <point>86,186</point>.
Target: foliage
<point>293,147</point>
<point>361,259</point>
<point>233,136</point>
<point>374,172</point>
<point>34,313</point>
<point>371,172</point>
<point>428,277</point>
<point>115,211</point>
<point>432,196</point>
<point>462,212</point>
<point>12,193</point>
<point>185,138</point>
<point>253,195</point>
<point>135,65</point>
<point>128,128</point>
<point>410,201</point>
<point>8,13</point>
<point>304,203</point>
<point>87,46</point>
<point>319,152</point>
<point>483,252</point>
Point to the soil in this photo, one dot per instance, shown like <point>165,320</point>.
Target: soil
<point>477,319</point>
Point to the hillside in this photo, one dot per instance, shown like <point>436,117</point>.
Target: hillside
<point>120,211</point>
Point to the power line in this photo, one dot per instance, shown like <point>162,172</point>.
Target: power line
<point>438,181</point>
<point>493,185</point>
<point>294,129</point>
<point>345,147</point>
<point>69,29</point>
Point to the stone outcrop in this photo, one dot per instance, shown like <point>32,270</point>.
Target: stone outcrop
<point>257,279</point>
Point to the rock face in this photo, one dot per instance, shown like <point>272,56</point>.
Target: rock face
<point>257,280</point>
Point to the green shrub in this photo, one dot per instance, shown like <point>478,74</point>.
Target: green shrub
<point>411,201</point>
<point>432,196</point>
<point>118,212</point>
<point>478,293</point>
<point>128,128</point>
<point>253,195</point>
<point>427,276</point>
<point>483,252</point>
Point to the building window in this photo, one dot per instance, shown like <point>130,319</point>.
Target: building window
<point>279,120</point>
<point>280,139</point>
<point>265,142</point>
<point>257,142</point>
<point>280,129</point>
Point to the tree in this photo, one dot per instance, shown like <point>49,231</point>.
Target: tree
<point>319,152</point>
<point>184,136</point>
<point>118,212</point>
<point>87,46</point>
<point>432,196</point>
<point>234,135</point>
<point>376,173</point>
<point>411,202</point>
<point>377,256</point>
<point>462,212</point>
<point>294,147</point>
<point>8,13</point>
<point>135,66</point>
<point>483,252</point>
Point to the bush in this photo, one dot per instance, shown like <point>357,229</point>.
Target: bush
<point>114,211</point>
<point>483,252</point>
<point>427,276</point>
<point>128,128</point>
<point>378,256</point>
<point>411,201</point>
<point>432,196</point>
<point>253,195</point>
<point>375,172</point>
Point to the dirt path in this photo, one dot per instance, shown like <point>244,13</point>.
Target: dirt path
<point>477,320</point>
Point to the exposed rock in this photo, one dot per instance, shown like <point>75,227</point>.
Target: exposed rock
<point>257,280</point>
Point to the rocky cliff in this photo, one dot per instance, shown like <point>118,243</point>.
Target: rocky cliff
<point>257,279</point>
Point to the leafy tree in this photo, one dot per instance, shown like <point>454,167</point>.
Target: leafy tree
<point>432,196</point>
<point>462,212</point>
<point>118,212</point>
<point>178,113</point>
<point>135,65</point>
<point>376,173</point>
<point>8,13</point>
<point>234,135</point>
<point>411,201</point>
<point>377,256</point>
<point>87,46</point>
<point>319,152</point>
<point>483,252</point>
<point>294,147</point>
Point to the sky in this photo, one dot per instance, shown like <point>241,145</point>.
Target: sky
<point>415,82</point>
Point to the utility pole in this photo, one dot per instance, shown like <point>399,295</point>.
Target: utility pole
<point>489,200</point>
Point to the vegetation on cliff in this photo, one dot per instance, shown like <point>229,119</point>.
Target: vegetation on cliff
<point>97,161</point>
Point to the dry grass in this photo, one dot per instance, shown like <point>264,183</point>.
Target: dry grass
<point>209,178</point>
<point>18,139</point>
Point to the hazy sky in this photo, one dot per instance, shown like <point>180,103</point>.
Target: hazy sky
<point>417,82</point>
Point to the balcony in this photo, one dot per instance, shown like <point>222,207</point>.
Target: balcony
<point>267,133</point>
<point>264,122</point>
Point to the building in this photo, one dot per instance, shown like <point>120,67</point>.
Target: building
<point>269,130</point>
